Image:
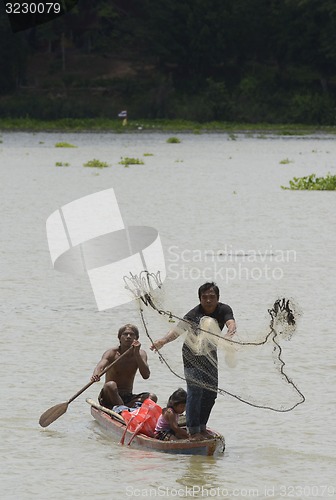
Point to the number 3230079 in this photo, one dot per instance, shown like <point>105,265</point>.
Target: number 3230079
<point>33,8</point>
<point>308,491</point>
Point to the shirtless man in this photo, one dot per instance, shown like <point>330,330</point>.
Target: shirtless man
<point>119,379</point>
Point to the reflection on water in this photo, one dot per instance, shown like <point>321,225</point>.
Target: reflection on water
<point>225,194</point>
<point>201,472</point>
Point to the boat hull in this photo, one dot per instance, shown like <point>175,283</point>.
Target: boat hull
<point>115,427</point>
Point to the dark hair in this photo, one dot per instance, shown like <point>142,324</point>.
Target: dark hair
<point>128,327</point>
<point>179,396</point>
<point>208,286</point>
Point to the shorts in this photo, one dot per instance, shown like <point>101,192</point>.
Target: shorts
<point>127,397</point>
<point>164,435</point>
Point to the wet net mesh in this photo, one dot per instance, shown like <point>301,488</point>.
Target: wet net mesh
<point>251,366</point>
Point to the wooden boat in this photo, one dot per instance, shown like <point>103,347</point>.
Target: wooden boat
<point>115,426</point>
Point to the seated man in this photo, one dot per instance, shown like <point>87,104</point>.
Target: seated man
<point>118,387</point>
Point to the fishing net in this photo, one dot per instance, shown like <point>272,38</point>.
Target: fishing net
<point>251,366</point>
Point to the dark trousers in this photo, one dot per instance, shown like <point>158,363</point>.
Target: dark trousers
<point>200,400</point>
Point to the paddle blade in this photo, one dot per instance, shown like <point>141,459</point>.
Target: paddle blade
<point>49,416</point>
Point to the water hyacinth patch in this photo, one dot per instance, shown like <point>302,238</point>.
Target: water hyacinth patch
<point>64,145</point>
<point>96,164</point>
<point>126,161</point>
<point>313,183</point>
<point>173,140</point>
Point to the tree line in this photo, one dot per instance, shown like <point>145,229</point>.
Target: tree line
<point>229,60</point>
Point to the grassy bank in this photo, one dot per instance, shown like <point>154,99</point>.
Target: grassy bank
<point>108,125</point>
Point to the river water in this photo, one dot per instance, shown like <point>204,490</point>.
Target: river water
<point>208,194</point>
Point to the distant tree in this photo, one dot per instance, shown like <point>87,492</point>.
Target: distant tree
<point>13,56</point>
<point>311,37</point>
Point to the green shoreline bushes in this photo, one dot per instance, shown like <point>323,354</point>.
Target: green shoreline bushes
<point>158,125</point>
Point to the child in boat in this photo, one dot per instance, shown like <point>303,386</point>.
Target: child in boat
<point>167,427</point>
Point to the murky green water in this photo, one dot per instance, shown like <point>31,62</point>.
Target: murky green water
<point>206,194</point>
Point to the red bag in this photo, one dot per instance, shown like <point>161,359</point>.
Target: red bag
<point>146,416</point>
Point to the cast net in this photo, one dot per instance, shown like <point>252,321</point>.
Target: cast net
<point>251,365</point>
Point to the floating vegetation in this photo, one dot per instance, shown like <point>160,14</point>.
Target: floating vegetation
<point>62,164</point>
<point>179,161</point>
<point>148,154</point>
<point>64,145</point>
<point>130,161</point>
<point>173,140</point>
<point>313,183</point>
<point>96,164</point>
<point>232,137</point>
<point>285,161</point>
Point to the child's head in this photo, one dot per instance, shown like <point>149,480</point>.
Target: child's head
<point>178,400</point>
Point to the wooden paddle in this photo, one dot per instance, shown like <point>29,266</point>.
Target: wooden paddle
<point>49,416</point>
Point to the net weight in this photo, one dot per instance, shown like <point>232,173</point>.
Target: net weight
<point>33,8</point>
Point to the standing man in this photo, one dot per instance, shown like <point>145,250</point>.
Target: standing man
<point>118,387</point>
<point>201,371</point>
